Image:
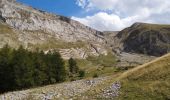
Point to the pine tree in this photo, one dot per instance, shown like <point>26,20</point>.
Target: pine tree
<point>6,69</point>
<point>73,68</point>
<point>55,63</point>
<point>23,66</point>
<point>40,67</point>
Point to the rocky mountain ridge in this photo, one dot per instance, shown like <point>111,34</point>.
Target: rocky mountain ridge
<point>143,38</point>
<point>28,19</point>
<point>36,27</point>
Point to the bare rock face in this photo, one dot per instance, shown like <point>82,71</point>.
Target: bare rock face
<point>35,27</point>
<point>26,18</point>
<point>150,39</point>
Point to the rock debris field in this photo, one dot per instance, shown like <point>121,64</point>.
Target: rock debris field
<point>63,91</point>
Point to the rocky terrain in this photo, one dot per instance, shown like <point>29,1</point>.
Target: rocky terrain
<point>149,39</point>
<point>125,58</point>
<point>38,29</point>
<point>63,91</point>
<point>32,28</point>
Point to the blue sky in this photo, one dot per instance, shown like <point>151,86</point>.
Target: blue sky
<point>61,7</point>
<point>107,15</point>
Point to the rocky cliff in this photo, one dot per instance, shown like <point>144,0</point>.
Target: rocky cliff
<point>35,28</point>
<point>150,39</point>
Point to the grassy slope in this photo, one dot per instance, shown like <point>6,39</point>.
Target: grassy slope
<point>7,35</point>
<point>150,81</point>
<point>147,26</point>
<point>101,65</point>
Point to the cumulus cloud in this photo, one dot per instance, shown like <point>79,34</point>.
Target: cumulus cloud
<point>108,22</point>
<point>123,13</point>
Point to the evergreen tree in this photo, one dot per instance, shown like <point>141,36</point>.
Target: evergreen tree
<point>40,77</point>
<point>6,70</point>
<point>23,68</point>
<point>73,68</point>
<point>60,67</point>
<point>56,68</point>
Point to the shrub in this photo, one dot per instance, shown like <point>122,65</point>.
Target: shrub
<point>81,73</point>
<point>95,75</point>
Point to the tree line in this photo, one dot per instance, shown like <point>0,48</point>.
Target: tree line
<point>21,68</point>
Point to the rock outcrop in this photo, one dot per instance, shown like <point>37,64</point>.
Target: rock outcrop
<point>150,39</point>
<point>25,18</point>
<point>36,27</point>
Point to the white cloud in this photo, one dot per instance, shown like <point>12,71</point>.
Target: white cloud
<point>124,13</point>
<point>109,22</point>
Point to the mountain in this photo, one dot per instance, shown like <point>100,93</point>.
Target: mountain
<point>150,39</point>
<point>32,28</point>
<point>128,74</point>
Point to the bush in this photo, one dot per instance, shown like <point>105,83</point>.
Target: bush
<point>81,73</point>
<point>95,75</point>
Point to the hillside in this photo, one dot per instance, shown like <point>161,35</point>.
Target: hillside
<point>150,39</point>
<point>148,81</point>
<point>32,28</point>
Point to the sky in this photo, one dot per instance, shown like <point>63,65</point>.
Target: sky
<point>107,15</point>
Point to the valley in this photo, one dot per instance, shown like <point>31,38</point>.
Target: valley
<point>131,64</point>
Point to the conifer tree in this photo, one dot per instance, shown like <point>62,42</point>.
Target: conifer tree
<point>73,68</point>
<point>6,69</point>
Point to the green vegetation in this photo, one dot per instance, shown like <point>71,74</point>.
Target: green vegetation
<point>81,73</point>
<point>103,60</point>
<point>95,75</point>
<point>57,44</point>
<point>73,68</point>
<point>150,81</point>
<point>102,65</point>
<point>154,26</point>
<point>21,68</point>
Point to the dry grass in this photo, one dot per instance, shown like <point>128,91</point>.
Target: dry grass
<point>147,67</point>
<point>150,81</point>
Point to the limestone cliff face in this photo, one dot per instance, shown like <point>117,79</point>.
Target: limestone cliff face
<point>150,39</point>
<point>35,27</point>
<point>26,18</point>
